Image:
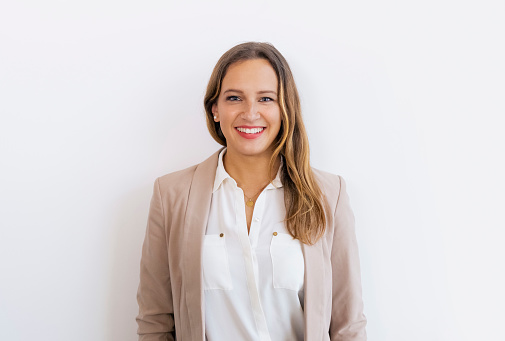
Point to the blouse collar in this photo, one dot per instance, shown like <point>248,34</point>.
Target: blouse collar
<point>222,174</point>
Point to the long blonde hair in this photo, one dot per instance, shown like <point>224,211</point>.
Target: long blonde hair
<point>305,204</point>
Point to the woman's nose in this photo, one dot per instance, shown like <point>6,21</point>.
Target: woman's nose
<point>251,111</point>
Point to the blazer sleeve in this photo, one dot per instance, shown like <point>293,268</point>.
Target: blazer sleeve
<point>156,313</point>
<point>347,319</point>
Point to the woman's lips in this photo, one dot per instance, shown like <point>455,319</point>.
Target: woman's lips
<point>250,132</point>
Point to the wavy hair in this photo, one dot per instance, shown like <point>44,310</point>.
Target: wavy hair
<point>305,204</point>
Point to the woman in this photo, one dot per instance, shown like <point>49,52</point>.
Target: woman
<point>251,244</point>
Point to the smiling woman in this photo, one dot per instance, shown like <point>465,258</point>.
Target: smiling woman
<point>248,111</point>
<point>253,243</point>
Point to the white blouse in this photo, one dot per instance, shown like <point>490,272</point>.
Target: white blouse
<point>253,282</point>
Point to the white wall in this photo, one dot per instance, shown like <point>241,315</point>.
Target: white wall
<point>402,98</point>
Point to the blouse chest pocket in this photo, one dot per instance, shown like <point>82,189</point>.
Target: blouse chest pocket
<point>287,262</point>
<point>216,271</point>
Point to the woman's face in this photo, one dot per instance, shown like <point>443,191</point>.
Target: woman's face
<point>248,108</point>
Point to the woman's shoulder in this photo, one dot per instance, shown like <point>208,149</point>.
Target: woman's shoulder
<point>178,177</point>
<point>330,184</point>
<point>175,185</point>
<point>327,180</point>
<point>182,179</point>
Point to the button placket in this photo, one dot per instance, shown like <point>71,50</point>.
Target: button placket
<point>255,230</point>
<point>251,262</point>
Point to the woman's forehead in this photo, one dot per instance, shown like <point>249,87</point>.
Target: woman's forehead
<point>254,73</point>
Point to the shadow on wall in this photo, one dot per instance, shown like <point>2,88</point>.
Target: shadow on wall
<point>128,229</point>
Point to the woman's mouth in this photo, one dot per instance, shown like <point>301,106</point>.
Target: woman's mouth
<point>250,133</point>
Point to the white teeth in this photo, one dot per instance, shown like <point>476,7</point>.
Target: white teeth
<point>250,131</point>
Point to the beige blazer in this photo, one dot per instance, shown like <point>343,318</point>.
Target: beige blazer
<point>170,294</point>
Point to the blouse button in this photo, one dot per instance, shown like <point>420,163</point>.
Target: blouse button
<point>275,233</point>
<point>221,235</point>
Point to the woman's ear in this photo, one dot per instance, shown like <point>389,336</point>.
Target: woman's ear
<point>214,112</point>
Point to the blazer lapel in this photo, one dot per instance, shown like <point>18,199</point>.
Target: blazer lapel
<point>195,224</point>
<point>313,290</point>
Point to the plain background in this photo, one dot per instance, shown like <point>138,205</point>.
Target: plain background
<point>404,99</point>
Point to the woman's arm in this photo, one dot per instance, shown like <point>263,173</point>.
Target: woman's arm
<point>156,312</point>
<point>347,319</point>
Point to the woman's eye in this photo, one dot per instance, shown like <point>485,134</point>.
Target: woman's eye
<point>265,99</point>
<point>232,98</point>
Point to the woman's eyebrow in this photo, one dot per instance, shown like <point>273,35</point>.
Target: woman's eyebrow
<point>259,92</point>
<point>268,92</point>
<point>233,90</point>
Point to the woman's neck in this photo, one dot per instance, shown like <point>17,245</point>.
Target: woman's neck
<point>250,172</point>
